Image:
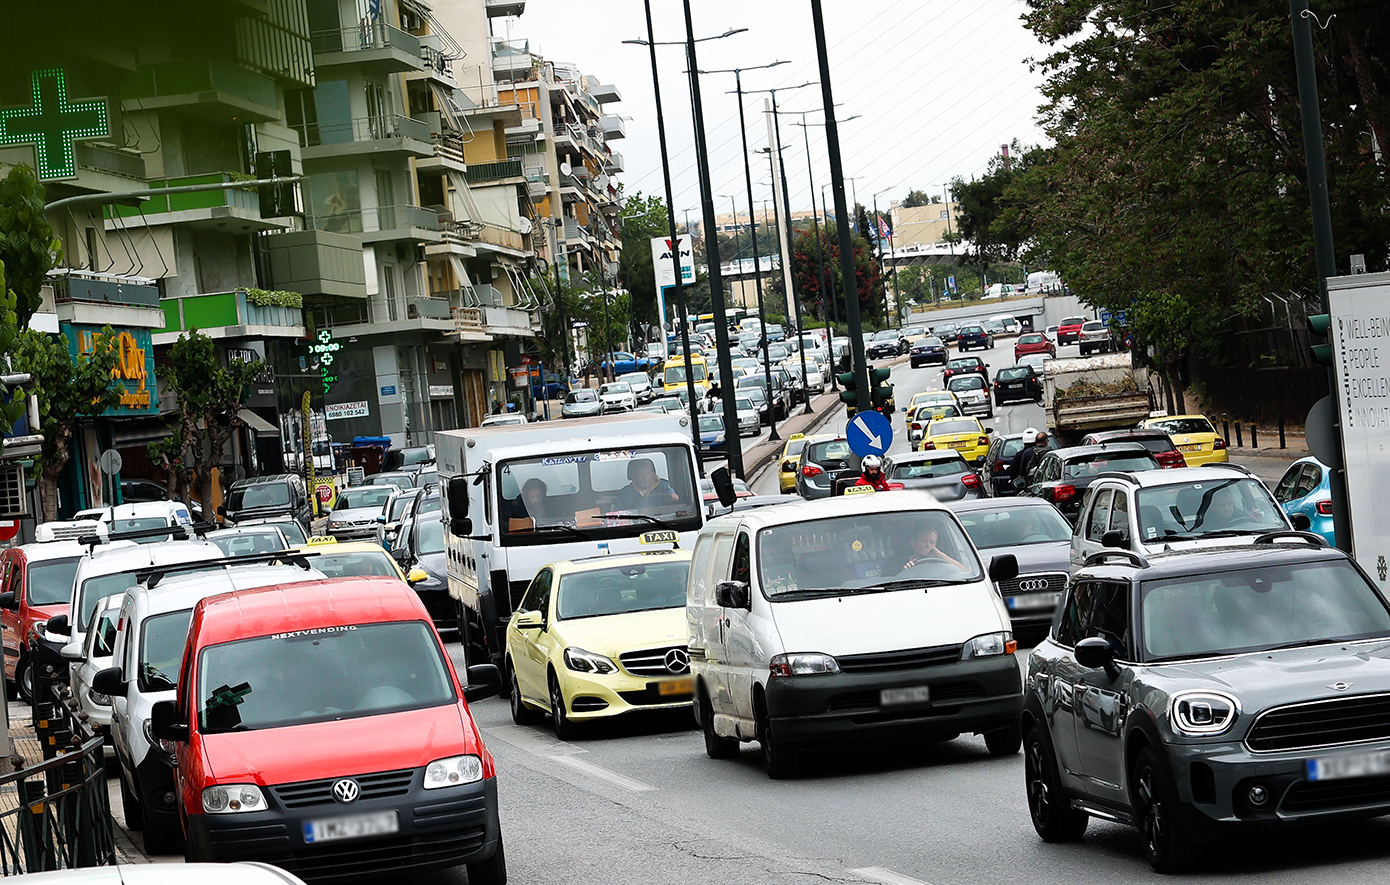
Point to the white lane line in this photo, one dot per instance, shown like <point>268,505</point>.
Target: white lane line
<point>887,877</point>
<point>612,777</point>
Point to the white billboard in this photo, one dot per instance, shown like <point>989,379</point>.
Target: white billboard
<point>664,267</point>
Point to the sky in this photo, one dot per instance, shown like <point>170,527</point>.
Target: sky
<point>938,86</point>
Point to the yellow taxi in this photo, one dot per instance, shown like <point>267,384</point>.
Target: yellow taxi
<point>600,637</point>
<point>965,435</point>
<point>344,559</point>
<point>787,464</point>
<point>1194,436</point>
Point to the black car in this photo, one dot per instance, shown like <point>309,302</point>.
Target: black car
<point>886,344</point>
<point>974,336</point>
<point>264,497</point>
<point>1196,694</point>
<point>420,546</point>
<point>963,365</point>
<point>947,332</point>
<point>928,350</point>
<point>994,473</point>
<point>1061,477</point>
<point>1017,383</point>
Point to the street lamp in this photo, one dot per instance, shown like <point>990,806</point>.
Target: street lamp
<point>796,299</point>
<point>897,297</point>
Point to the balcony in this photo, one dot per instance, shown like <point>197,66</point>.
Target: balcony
<point>576,235</point>
<point>447,157</point>
<point>456,238</point>
<point>502,240</point>
<point>108,160</point>
<point>438,65</point>
<point>382,224</point>
<point>386,134</point>
<point>613,127</point>
<point>614,163</point>
<point>96,299</point>
<point>499,320</point>
<point>228,315</point>
<point>604,92</point>
<point>233,209</point>
<point>317,262</point>
<point>511,59</point>
<point>504,172</point>
<point>373,43</point>
<point>208,87</point>
<point>501,8</point>
<point>468,324</point>
<point>420,314</point>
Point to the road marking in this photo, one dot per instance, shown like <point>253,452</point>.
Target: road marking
<point>532,740</point>
<point>612,777</point>
<point>887,877</point>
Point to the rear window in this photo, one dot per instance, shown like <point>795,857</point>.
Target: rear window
<point>363,563</point>
<point>966,382</point>
<point>930,469</point>
<point>1032,338</point>
<point>274,494</point>
<point>248,543</point>
<point>1183,425</point>
<point>365,496</point>
<point>1014,373</point>
<point>970,330</point>
<point>1073,321</point>
<point>836,450</point>
<point>960,425</point>
<point>969,362</point>
<point>1088,465</point>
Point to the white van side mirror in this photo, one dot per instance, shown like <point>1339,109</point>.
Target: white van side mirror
<point>732,594</point>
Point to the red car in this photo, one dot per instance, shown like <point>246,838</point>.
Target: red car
<point>1069,330</point>
<point>963,366</point>
<point>320,727</point>
<point>35,585</point>
<point>1033,342</point>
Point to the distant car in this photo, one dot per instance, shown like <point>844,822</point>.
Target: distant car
<point>712,439</point>
<point>1062,476</point>
<point>974,336</point>
<point>1039,537</point>
<point>1010,324</point>
<point>1036,360</point>
<point>138,490</point>
<point>1194,436</point>
<point>947,332</point>
<point>1095,337</point>
<point>1033,342</point>
<point>623,363</point>
<point>1069,330</point>
<point>995,471</point>
<point>943,472</point>
<point>749,420</point>
<point>641,384</point>
<point>1304,490</point>
<point>1014,383</point>
<point>1156,441</point>
<point>503,420</point>
<point>617,396</point>
<point>1051,333</point>
<point>787,464</point>
<point>973,392</point>
<point>928,349</point>
<point>353,518</point>
<point>399,480</point>
<point>963,365</point>
<point>582,403</point>
<point>248,540</point>
<point>410,459</point>
<point>994,327</point>
<point>886,344</point>
<point>709,495</point>
<point>824,459</point>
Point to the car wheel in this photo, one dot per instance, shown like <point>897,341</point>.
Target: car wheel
<point>162,838</point>
<point>130,808</point>
<point>24,679</point>
<point>564,728</point>
<point>716,747</point>
<point>1053,819</point>
<point>780,758</point>
<point>492,871</point>
<point>1167,844</point>
<point>521,714</point>
<point>1005,741</point>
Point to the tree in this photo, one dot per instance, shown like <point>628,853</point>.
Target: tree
<point>11,411</point>
<point>806,276</point>
<point>209,403</point>
<point>67,390</point>
<point>997,222</point>
<point>916,197</point>
<point>168,454</point>
<point>27,245</point>
<point>643,219</point>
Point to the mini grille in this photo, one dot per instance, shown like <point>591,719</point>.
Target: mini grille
<point>320,792</point>
<point>652,661</point>
<point>1325,723</point>
<point>1344,794</point>
<point>1052,582</point>
<point>900,660</point>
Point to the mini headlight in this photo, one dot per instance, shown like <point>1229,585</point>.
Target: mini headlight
<point>1203,713</point>
<point>453,771</point>
<point>803,664</point>
<point>99,698</point>
<point>233,799</point>
<point>582,661</point>
<point>988,645</point>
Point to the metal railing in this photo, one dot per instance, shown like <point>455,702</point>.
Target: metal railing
<point>381,218</point>
<point>438,63</point>
<point>375,128</point>
<point>374,34</point>
<point>478,173</point>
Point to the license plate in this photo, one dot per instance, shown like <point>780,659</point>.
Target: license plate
<point>1013,386</point>
<point>898,697</point>
<point>960,445</point>
<point>1331,768</point>
<point>1192,448</point>
<point>354,827</point>
<point>676,686</point>
<point>1032,601</point>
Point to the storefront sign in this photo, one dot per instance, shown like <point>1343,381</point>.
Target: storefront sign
<point>134,371</point>
<point>441,390</point>
<point>336,411</point>
<point>324,347</point>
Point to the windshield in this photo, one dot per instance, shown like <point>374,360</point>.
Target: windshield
<point>615,387</point>
<point>581,396</point>
<point>162,639</point>
<point>1193,509</point>
<point>960,425</point>
<point>293,532</point>
<point>1032,338</point>
<point>430,538</point>
<point>354,563</point>
<point>1015,526</point>
<point>317,676</point>
<point>274,494</point>
<point>914,332</point>
<point>1256,609</point>
<point>621,590</point>
<point>1183,425</point>
<point>399,480</point>
<point>50,582</point>
<point>930,469</point>
<point>676,374</point>
<point>592,494</point>
<point>965,365</point>
<point>966,382</point>
<point>635,378</point>
<point>135,525</point>
<point>711,424</point>
<point>247,543</point>
<point>861,553</point>
<point>94,590</point>
<point>1089,465</point>
<point>886,335</point>
<point>364,496</point>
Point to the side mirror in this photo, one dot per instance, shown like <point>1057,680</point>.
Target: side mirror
<point>381,519</point>
<point>222,510</point>
<point>529,621</point>
<point>732,594</point>
<point>72,651</point>
<point>724,486</point>
<point>108,681</point>
<point>1299,521</point>
<point>484,681</point>
<point>7,599</point>
<point>416,576</point>
<point>1095,653</point>
<point>1003,567</point>
<point>400,555</point>
<point>58,626</point>
<point>165,724</point>
<point>989,430</point>
<point>1114,539</point>
<point>456,494</point>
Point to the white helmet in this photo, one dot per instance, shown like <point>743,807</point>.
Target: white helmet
<point>1030,433</point>
<point>872,462</point>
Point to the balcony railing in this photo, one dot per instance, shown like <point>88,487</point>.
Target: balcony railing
<point>82,287</point>
<point>104,158</point>
<point>212,310</point>
<point>467,319</point>
<point>380,218</point>
<point>232,197</point>
<point>363,129</point>
<point>368,35</point>
<point>194,77</point>
<point>480,173</point>
<point>438,63</point>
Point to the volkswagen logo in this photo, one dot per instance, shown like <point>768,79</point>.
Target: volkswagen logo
<point>346,790</point>
<point>1340,686</point>
<point>677,661</point>
<point>1032,584</point>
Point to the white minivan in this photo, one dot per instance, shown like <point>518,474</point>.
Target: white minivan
<point>845,618</point>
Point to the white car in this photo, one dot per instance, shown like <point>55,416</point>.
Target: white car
<point>1035,360</point>
<point>503,420</point>
<point>617,396</point>
<point>90,658</point>
<point>146,515</point>
<point>973,392</point>
<point>241,873</point>
<point>248,540</point>
<point>150,638</point>
<point>1010,324</point>
<point>749,423</point>
<point>848,618</point>
<point>641,385</point>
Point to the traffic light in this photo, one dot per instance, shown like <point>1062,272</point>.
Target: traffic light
<point>849,388</point>
<point>880,390</point>
<point>1321,324</point>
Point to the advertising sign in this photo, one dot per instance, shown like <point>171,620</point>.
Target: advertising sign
<point>337,411</point>
<point>134,372</point>
<point>664,267</point>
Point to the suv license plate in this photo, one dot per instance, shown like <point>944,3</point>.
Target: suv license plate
<point>898,697</point>
<point>1330,768</point>
<point>1032,601</point>
<point>354,827</point>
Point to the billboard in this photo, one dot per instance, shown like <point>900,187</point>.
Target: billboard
<point>664,267</point>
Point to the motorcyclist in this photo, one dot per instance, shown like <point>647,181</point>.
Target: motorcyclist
<point>871,473</point>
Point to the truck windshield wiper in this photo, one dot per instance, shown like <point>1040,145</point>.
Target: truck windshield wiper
<point>645,518</point>
<point>912,584</point>
<point>561,527</point>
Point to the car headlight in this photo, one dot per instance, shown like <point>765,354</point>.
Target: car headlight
<point>98,698</point>
<point>988,645</point>
<point>582,661</point>
<point>1203,713</point>
<point>166,746</point>
<point>719,438</point>
<point>233,799</point>
<point>803,664</point>
<point>453,771</point>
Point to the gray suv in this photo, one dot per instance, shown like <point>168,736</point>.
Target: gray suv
<point>823,461</point>
<point>1197,692</point>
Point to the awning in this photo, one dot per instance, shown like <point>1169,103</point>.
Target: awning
<point>258,424</point>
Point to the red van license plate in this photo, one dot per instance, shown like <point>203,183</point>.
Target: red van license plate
<point>354,827</point>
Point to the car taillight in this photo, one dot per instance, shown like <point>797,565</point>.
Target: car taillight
<point>896,487</point>
<point>970,480</point>
<point>916,426</point>
<point>811,470</point>
<point>928,445</point>
<point>1218,443</point>
<point>996,385</point>
<point>1171,459</point>
<point>982,441</point>
<point>1063,493</point>
<point>1000,466</point>
<point>1324,508</point>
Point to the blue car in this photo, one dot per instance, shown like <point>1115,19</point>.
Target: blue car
<point>712,436</point>
<point>623,363</point>
<point>1303,489</point>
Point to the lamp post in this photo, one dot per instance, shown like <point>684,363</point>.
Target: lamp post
<point>796,299</point>
<point>737,252</point>
<point>950,237</point>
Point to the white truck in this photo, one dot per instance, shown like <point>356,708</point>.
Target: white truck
<point>1099,393</point>
<point>518,498</point>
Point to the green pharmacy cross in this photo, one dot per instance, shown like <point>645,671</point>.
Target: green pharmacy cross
<point>53,123</point>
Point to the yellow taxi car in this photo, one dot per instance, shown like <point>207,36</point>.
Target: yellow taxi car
<point>786,467</point>
<point>965,435</point>
<point>600,637</point>
<point>347,559</point>
<point>926,398</point>
<point>1194,436</point>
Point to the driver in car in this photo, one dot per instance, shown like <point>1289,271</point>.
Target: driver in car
<point>645,491</point>
<point>1225,513</point>
<point>924,550</point>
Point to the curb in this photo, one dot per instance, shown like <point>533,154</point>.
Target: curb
<point>754,470</point>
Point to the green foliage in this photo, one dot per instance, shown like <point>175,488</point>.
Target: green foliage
<point>643,218</point>
<point>997,222</point>
<point>916,197</point>
<point>806,277</point>
<point>582,300</point>
<point>9,336</point>
<point>27,245</point>
<point>274,298</point>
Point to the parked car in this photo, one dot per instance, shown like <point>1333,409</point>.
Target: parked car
<point>1062,476</point>
<point>410,459</point>
<point>134,491</point>
<point>1304,491</point>
<point>582,403</point>
<point>944,473</point>
<point>1159,444</point>
<point>37,585</point>
<point>964,365</point>
<point>146,515</point>
<point>928,349</point>
<point>1033,342</point>
<point>617,396</point>
<point>1095,337</point>
<point>964,435</point>
<point>994,471</point>
<point>825,459</point>
<point>974,335</point>
<point>506,419</point>
<point>622,363</point>
<point>973,392</point>
<point>1069,330</point>
<point>1014,383</point>
<point>89,658</point>
<point>886,344</point>
<point>354,516</point>
<point>1209,692</point>
<point>641,384</point>
<point>267,497</point>
<point>1194,436</point>
<point>1039,537</point>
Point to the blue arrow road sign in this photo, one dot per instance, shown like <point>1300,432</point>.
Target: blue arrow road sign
<point>869,433</point>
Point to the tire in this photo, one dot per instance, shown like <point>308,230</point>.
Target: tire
<point>781,759</point>
<point>716,747</point>
<point>1005,741</point>
<point>1053,819</point>
<point>1167,844</point>
<point>130,807</point>
<point>24,679</point>
<point>162,838</point>
<point>492,871</point>
<point>564,729</point>
<point>521,714</point>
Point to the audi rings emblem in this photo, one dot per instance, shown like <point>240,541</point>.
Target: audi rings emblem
<point>678,661</point>
<point>346,790</point>
<point>1032,584</point>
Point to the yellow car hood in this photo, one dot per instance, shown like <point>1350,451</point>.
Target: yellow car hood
<point>612,635</point>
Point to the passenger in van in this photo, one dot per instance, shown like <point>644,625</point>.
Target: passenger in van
<point>924,550</point>
<point>535,504</point>
<point>645,491</point>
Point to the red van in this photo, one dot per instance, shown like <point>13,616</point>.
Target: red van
<point>35,584</point>
<point>321,727</point>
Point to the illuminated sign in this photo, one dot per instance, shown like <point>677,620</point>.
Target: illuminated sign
<point>53,123</point>
<point>324,348</point>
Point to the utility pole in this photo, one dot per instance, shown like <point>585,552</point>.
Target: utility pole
<point>783,257</point>
<point>757,266</point>
<point>950,237</point>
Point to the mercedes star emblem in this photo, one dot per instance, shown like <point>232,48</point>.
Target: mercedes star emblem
<point>677,661</point>
<point>346,790</point>
<point>1340,686</point>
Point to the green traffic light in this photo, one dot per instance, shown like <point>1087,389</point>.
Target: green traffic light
<point>1320,323</point>
<point>1322,354</point>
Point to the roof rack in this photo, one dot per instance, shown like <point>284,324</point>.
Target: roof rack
<point>1136,559</point>
<point>172,532</point>
<point>1269,538</point>
<point>151,576</point>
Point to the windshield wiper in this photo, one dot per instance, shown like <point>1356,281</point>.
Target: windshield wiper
<point>912,584</point>
<point>645,518</point>
<point>1303,643</point>
<point>558,527</point>
<point>810,593</point>
<point>1170,535</point>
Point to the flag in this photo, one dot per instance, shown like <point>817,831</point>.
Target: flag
<point>883,230</point>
